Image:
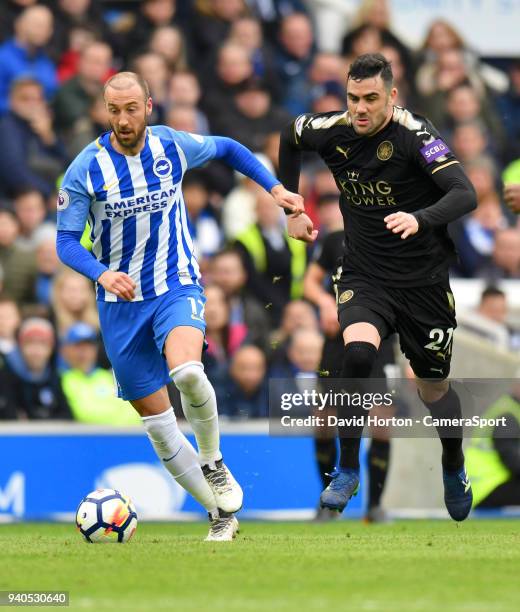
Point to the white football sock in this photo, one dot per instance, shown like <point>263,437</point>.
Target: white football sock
<point>200,408</point>
<point>179,457</point>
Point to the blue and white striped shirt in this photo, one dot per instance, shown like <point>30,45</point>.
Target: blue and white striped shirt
<point>135,208</point>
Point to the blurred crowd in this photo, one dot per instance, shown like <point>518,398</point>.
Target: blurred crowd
<point>238,68</point>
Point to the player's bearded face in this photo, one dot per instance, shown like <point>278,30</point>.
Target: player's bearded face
<point>370,104</point>
<point>128,116</point>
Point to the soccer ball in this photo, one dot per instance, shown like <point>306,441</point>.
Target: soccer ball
<point>106,515</point>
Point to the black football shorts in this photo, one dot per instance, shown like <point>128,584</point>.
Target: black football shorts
<point>423,317</point>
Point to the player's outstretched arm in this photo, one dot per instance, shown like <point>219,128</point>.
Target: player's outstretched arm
<point>240,158</point>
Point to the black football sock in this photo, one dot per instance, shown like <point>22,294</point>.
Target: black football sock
<point>325,451</point>
<point>448,407</point>
<point>377,469</point>
<point>358,362</point>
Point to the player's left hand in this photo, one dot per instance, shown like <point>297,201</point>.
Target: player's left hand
<point>293,202</point>
<point>402,222</point>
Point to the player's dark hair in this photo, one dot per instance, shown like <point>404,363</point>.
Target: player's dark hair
<point>371,65</point>
<point>491,291</point>
<point>125,77</point>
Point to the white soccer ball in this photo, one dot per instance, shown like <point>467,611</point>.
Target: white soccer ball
<point>106,515</point>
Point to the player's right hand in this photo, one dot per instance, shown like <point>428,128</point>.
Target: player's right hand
<point>118,283</point>
<point>299,226</point>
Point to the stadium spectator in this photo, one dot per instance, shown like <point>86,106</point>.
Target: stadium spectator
<point>274,262</point>
<point>511,181</point>
<point>228,272</point>
<point>88,388</point>
<point>374,18</point>
<point>18,265</point>
<point>184,90</point>
<point>238,208</point>
<point>234,67</point>
<point>505,262</point>
<point>493,460</point>
<point>247,32</point>
<point>11,10</point>
<point>470,142</point>
<point>9,322</point>
<point>203,223</point>
<point>407,96</point>
<point>327,97</point>
<point>474,235</point>
<point>325,82</point>
<point>512,197</point>
<point>508,106</point>
<point>152,14</point>
<point>445,54</point>
<point>223,337</point>
<point>23,55</point>
<point>32,384</point>
<point>494,306</point>
<point>168,41</point>
<point>182,118</point>
<point>251,117</point>
<point>30,210</point>
<point>329,214</point>
<point>47,265</point>
<point>364,39</point>
<point>293,60</point>
<point>154,70</point>
<point>271,12</point>
<point>463,105</point>
<point>76,95</point>
<point>86,129</point>
<point>80,38</point>
<point>35,157</point>
<point>211,24</point>
<point>71,17</point>
<point>246,394</point>
<point>73,300</point>
<point>303,355</point>
<point>297,314</point>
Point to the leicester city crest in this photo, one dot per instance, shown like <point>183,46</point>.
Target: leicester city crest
<point>385,150</point>
<point>345,296</point>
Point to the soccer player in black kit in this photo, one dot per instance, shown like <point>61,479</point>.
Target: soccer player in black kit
<point>400,186</point>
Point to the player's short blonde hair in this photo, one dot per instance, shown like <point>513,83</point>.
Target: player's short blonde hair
<point>122,80</point>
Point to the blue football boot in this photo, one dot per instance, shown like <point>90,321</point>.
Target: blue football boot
<point>458,496</point>
<point>342,487</point>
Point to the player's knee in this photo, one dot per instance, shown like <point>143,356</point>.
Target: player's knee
<point>187,376</point>
<point>359,359</point>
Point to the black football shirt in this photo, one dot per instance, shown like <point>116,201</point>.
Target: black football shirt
<point>404,167</point>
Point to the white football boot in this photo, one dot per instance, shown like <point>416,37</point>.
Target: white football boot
<point>222,528</point>
<point>227,491</point>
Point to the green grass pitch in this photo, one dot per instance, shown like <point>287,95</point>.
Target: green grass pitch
<point>345,565</point>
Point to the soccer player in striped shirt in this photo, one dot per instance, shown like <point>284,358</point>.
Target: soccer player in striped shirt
<point>127,184</point>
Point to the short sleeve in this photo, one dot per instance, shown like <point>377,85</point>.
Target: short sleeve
<point>430,150</point>
<point>73,197</point>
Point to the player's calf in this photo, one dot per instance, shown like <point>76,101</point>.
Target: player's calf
<point>200,408</point>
